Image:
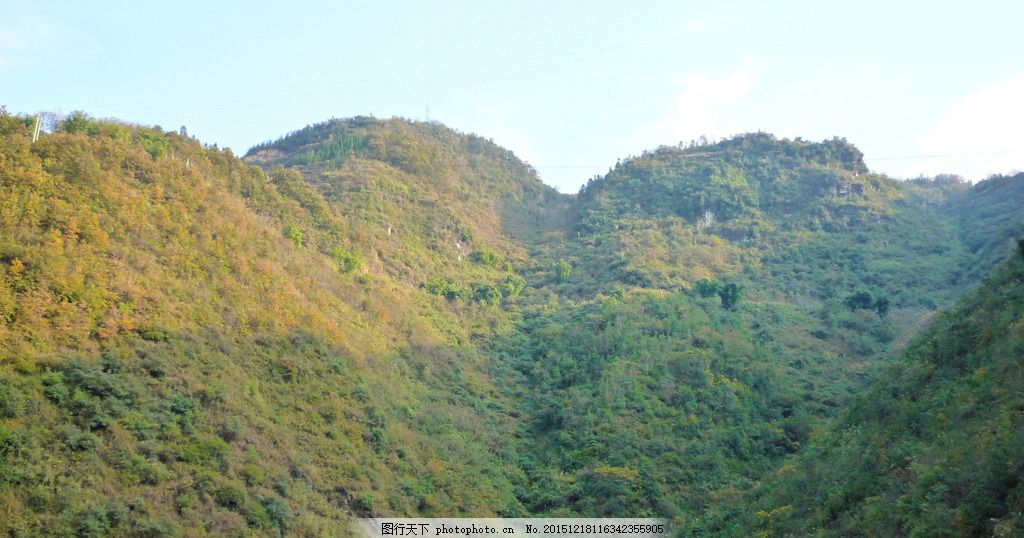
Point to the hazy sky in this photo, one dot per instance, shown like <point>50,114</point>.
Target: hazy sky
<point>920,87</point>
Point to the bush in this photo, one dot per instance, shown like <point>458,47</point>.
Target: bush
<point>256,516</point>
<point>882,306</point>
<point>232,429</point>
<point>157,529</point>
<point>486,256</point>
<point>230,496</point>
<point>12,403</point>
<point>348,262</point>
<point>252,474</point>
<point>39,498</point>
<point>447,288</point>
<point>486,294</point>
<point>513,286</point>
<point>363,505</point>
<point>278,513</point>
<point>859,300</point>
<point>293,234</point>
<point>79,440</point>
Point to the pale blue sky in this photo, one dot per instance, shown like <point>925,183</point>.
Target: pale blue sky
<point>920,87</point>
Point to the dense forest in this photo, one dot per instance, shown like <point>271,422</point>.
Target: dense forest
<point>388,317</point>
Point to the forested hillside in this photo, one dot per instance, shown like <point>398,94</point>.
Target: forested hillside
<point>386,317</point>
<point>725,302</point>
<point>932,449</point>
<point>192,345</point>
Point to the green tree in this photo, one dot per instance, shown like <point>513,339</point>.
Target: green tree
<point>154,142</point>
<point>859,300</point>
<point>562,271</point>
<point>882,306</point>
<point>76,122</point>
<point>707,288</point>
<point>730,295</point>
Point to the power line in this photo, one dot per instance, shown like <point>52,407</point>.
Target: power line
<point>941,155</point>
<point>518,70</point>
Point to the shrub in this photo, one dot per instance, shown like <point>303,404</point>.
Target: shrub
<point>486,256</point>
<point>278,513</point>
<point>293,234</point>
<point>256,516</point>
<point>12,403</point>
<point>513,286</point>
<point>447,288</point>
<point>861,299</point>
<point>348,262</point>
<point>232,429</point>
<point>230,496</point>
<point>486,294</point>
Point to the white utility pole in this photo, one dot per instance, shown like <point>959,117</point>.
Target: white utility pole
<point>39,123</point>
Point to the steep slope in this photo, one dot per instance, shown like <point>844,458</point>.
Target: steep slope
<point>192,345</point>
<point>932,449</point>
<point>990,219</point>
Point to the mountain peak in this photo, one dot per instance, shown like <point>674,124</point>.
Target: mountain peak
<point>754,175</point>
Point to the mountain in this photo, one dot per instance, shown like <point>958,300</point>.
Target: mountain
<point>644,392</point>
<point>806,218</point>
<point>449,189</point>
<point>388,317</point>
<point>193,345</point>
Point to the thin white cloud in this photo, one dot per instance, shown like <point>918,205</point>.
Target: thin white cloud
<point>981,132</point>
<point>10,44</point>
<point>704,105</point>
<point>28,39</point>
<point>696,26</point>
<point>8,38</point>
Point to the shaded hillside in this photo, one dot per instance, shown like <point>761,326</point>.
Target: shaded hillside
<point>652,403</point>
<point>990,216</point>
<point>723,302</point>
<point>932,449</point>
